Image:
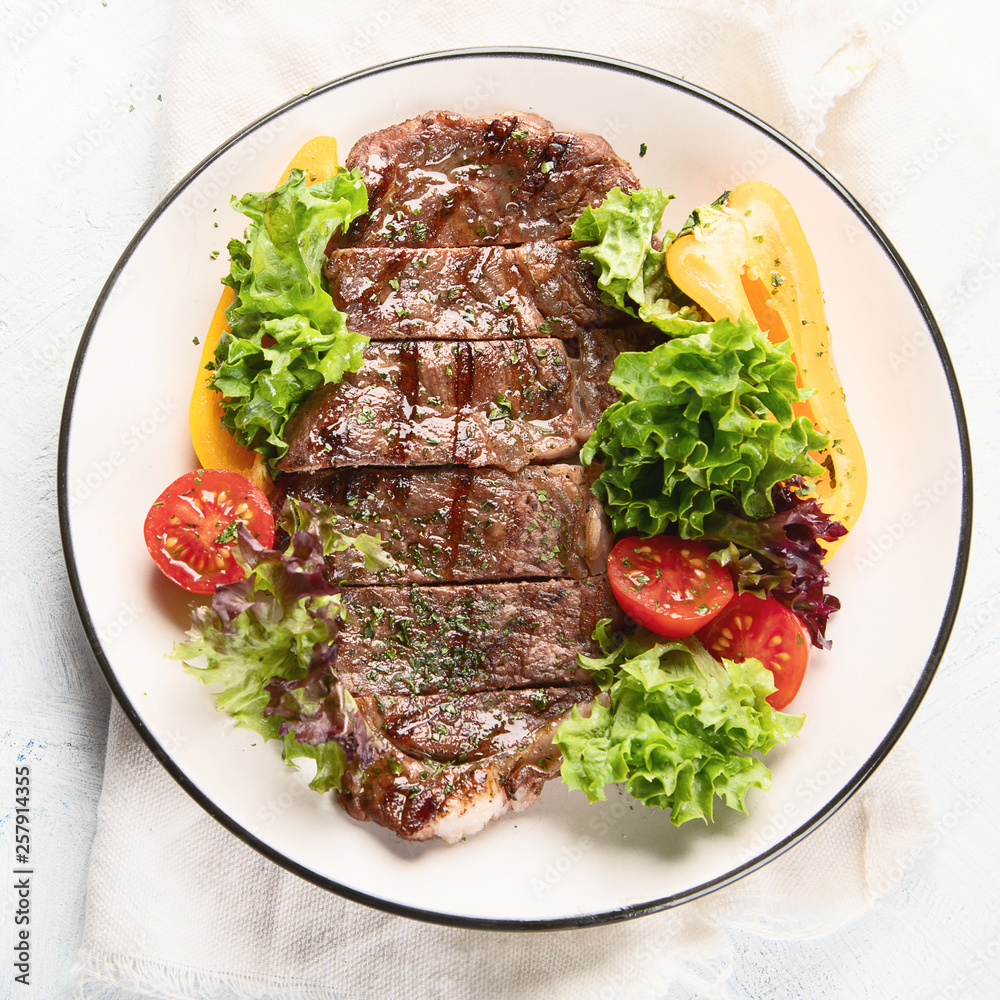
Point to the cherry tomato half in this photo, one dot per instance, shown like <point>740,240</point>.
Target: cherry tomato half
<point>668,584</point>
<point>191,528</point>
<point>762,629</point>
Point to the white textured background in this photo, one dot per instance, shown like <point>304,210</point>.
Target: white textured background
<point>82,101</point>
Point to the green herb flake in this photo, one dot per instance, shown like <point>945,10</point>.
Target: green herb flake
<point>228,534</point>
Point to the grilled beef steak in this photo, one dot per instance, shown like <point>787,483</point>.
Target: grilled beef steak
<point>489,359</point>
<point>449,180</point>
<point>542,289</point>
<point>459,525</point>
<point>502,403</point>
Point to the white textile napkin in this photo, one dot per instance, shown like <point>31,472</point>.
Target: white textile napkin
<point>179,909</point>
<point>177,906</point>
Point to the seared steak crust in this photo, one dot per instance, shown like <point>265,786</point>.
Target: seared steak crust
<point>449,180</point>
<point>598,349</point>
<point>419,798</point>
<point>459,525</point>
<point>541,289</point>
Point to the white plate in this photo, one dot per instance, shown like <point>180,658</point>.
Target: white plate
<point>563,862</point>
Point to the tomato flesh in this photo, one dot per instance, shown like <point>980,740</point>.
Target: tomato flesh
<point>190,530</point>
<point>668,584</point>
<point>762,629</point>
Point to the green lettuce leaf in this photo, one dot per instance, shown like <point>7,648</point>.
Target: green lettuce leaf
<point>299,515</point>
<point>702,419</point>
<point>631,275</point>
<point>286,337</point>
<point>676,727</point>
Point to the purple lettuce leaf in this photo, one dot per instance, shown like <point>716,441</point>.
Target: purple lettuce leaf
<point>782,555</point>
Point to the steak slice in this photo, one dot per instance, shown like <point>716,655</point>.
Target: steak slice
<point>419,799</point>
<point>446,179</point>
<point>476,403</point>
<point>448,728</point>
<point>465,638</point>
<point>453,524</point>
<point>541,289</point>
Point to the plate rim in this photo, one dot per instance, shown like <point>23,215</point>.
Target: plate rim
<point>631,911</point>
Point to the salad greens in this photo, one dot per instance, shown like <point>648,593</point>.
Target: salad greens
<point>703,419</point>
<point>631,275</point>
<point>677,727</point>
<point>703,442</point>
<point>286,337</point>
<point>270,641</point>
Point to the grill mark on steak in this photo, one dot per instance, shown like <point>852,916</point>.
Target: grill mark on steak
<point>471,637</point>
<point>551,157</point>
<point>454,525</point>
<point>497,133</point>
<point>456,518</point>
<point>450,180</point>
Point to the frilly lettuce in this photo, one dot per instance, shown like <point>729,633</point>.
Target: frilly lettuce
<point>631,275</point>
<point>286,336</point>
<point>270,641</point>
<point>703,419</point>
<point>676,727</point>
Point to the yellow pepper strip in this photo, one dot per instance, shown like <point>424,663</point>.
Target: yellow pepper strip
<point>215,447</point>
<point>750,256</point>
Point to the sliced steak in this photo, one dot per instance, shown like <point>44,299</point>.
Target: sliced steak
<point>418,801</point>
<point>450,180</point>
<point>488,361</point>
<point>449,728</point>
<point>503,403</point>
<point>542,289</point>
<point>465,638</point>
<point>452,524</point>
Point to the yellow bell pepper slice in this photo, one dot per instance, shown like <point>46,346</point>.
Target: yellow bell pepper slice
<point>215,447</point>
<point>749,255</point>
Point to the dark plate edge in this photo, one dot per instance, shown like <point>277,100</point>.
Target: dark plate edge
<point>589,920</point>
